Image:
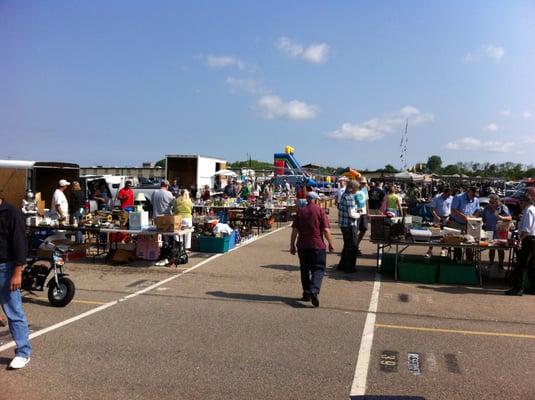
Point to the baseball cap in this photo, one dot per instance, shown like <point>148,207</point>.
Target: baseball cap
<point>63,182</point>
<point>312,196</point>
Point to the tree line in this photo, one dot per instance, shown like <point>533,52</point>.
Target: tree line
<point>507,170</point>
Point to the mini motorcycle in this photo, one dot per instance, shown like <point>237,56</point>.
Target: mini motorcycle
<point>60,288</point>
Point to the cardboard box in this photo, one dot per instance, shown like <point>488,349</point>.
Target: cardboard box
<point>168,223</point>
<point>148,247</point>
<point>452,240</point>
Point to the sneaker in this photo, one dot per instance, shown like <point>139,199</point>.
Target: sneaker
<point>19,362</point>
<point>314,299</point>
<point>428,254</point>
<point>500,267</point>
<point>444,253</point>
<point>514,292</point>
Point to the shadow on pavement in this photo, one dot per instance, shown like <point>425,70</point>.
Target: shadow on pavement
<point>5,361</point>
<point>363,274</point>
<point>281,267</point>
<point>259,297</point>
<point>462,290</point>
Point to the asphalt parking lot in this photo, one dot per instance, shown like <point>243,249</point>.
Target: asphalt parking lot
<point>232,327</point>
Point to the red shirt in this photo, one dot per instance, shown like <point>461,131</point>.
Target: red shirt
<point>310,222</point>
<point>126,197</point>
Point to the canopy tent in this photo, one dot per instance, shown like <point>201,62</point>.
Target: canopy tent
<point>226,172</point>
<point>406,176</point>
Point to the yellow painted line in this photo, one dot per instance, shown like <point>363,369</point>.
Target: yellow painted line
<point>73,301</point>
<point>439,330</point>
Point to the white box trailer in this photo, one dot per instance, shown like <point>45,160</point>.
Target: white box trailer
<point>195,171</point>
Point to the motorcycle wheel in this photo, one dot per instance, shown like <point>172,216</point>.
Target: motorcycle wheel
<point>60,296</point>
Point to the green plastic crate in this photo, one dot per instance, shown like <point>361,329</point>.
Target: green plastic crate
<point>458,274</point>
<point>388,263</point>
<point>412,271</point>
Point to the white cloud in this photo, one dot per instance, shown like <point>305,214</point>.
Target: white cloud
<point>377,128</point>
<point>505,113</point>
<point>224,61</point>
<point>494,52</point>
<point>315,53</point>
<point>526,114</point>
<point>273,107</point>
<point>528,139</point>
<point>492,127</point>
<point>489,51</point>
<point>251,86</point>
<point>470,143</point>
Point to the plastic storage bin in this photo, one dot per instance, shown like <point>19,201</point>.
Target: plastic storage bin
<point>458,274</point>
<point>414,271</point>
<point>212,244</point>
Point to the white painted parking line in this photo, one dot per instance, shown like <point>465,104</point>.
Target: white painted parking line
<point>358,388</point>
<point>144,290</point>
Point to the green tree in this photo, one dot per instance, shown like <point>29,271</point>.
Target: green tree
<point>160,163</point>
<point>450,169</point>
<point>253,164</point>
<point>434,164</point>
<point>389,168</point>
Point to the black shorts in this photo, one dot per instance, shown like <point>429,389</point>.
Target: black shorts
<point>363,223</point>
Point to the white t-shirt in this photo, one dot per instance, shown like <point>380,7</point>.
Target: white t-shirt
<point>339,193</point>
<point>59,199</point>
<point>527,223</point>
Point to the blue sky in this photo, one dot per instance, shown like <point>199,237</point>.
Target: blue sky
<point>122,82</point>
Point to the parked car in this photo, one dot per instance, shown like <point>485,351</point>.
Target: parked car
<point>512,202</point>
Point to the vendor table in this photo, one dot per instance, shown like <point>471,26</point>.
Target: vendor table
<point>400,246</point>
<point>181,233</point>
<point>91,230</point>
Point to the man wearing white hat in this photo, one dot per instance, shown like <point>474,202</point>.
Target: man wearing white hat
<point>342,182</point>
<point>60,204</point>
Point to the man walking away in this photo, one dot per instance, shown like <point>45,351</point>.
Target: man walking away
<point>310,226</point>
<point>13,247</point>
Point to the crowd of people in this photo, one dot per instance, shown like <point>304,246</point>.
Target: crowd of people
<point>356,200</point>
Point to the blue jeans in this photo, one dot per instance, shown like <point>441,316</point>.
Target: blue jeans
<point>312,264</point>
<point>12,306</point>
<point>79,234</point>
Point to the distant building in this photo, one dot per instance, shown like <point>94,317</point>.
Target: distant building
<point>139,172</point>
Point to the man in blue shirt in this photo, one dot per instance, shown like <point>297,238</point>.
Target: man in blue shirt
<point>441,210</point>
<point>464,205</point>
<point>441,206</point>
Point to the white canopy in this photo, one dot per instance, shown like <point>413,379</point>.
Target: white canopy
<point>226,172</point>
<point>408,176</point>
